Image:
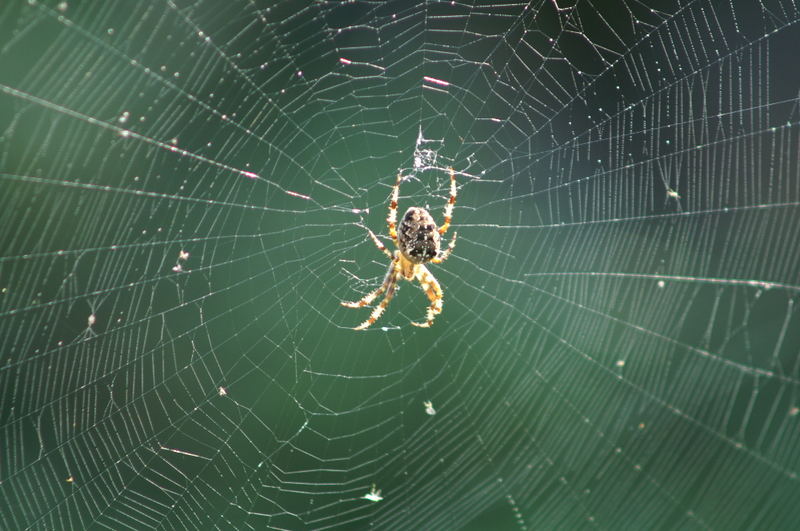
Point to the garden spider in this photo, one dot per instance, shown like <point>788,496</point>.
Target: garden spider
<point>417,244</point>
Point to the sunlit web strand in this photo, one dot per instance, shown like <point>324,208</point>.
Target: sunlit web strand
<point>127,133</point>
<point>663,157</point>
<point>790,474</point>
<point>705,353</point>
<point>168,83</point>
<point>151,280</point>
<point>684,214</point>
<point>764,284</point>
<point>141,193</point>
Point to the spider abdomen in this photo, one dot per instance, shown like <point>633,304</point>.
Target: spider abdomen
<point>418,236</point>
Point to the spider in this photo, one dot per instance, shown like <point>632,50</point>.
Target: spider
<point>417,243</point>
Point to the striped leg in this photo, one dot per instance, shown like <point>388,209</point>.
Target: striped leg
<point>367,299</point>
<point>390,289</point>
<point>434,292</point>
<point>380,245</point>
<point>392,218</point>
<point>448,209</point>
<point>443,255</point>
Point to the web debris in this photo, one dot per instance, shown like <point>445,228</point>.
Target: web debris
<point>374,494</point>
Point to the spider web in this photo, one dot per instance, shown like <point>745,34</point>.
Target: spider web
<point>185,189</point>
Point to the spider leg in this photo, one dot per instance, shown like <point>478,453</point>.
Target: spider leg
<point>448,209</point>
<point>368,298</point>
<point>380,245</point>
<point>443,255</point>
<point>391,286</point>
<point>392,218</point>
<point>434,292</point>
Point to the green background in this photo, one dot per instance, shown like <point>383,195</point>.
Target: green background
<point>609,355</point>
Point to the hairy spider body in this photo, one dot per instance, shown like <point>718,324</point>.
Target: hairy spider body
<point>418,241</point>
<point>417,236</point>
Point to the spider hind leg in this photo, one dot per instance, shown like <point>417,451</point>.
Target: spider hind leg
<point>389,285</point>
<point>434,292</point>
<point>369,297</point>
<point>378,310</point>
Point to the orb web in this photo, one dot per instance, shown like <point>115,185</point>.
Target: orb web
<point>185,193</point>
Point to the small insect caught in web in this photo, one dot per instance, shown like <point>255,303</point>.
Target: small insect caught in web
<point>182,257</point>
<point>374,494</point>
<point>88,332</point>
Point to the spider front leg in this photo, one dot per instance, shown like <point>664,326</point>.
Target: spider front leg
<point>443,255</point>
<point>391,219</point>
<point>434,292</point>
<point>448,209</point>
<point>380,245</point>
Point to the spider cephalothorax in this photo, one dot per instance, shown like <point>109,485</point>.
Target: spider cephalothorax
<point>418,242</point>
